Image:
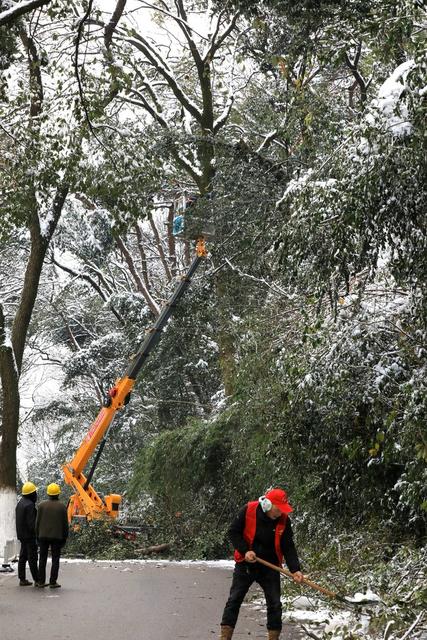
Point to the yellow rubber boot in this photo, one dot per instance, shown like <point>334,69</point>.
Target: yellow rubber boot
<point>226,632</point>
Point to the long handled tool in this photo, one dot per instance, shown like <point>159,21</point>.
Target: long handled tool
<point>318,587</point>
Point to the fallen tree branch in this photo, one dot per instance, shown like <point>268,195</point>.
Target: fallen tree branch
<point>311,634</point>
<point>157,548</point>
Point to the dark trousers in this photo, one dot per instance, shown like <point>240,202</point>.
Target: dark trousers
<point>28,554</point>
<point>55,551</point>
<point>244,575</point>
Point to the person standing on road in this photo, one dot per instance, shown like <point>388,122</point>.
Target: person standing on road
<point>261,529</point>
<point>52,531</point>
<point>26,514</point>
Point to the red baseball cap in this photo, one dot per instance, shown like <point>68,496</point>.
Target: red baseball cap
<point>279,498</point>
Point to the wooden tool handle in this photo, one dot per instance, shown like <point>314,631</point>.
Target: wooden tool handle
<point>306,581</point>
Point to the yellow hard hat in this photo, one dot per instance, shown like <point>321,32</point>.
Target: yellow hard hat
<point>53,489</point>
<point>27,488</point>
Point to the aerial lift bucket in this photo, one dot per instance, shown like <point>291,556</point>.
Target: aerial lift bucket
<point>190,222</point>
<point>190,227</point>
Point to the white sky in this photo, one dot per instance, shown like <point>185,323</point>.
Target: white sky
<point>37,388</point>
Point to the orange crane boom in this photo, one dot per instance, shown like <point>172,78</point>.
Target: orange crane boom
<point>85,503</point>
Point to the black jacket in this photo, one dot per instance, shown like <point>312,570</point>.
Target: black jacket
<point>26,514</point>
<point>52,521</point>
<point>263,544</point>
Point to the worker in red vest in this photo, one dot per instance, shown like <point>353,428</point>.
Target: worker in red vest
<point>261,529</point>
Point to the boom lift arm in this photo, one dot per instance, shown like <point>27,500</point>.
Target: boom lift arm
<point>85,502</point>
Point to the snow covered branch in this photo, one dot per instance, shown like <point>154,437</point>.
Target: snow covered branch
<point>74,342</point>
<point>416,622</point>
<point>262,281</point>
<point>36,84</point>
<point>3,341</point>
<point>354,68</point>
<point>8,367</point>
<point>222,119</point>
<point>159,64</point>
<point>267,140</point>
<point>143,102</point>
<point>16,10</point>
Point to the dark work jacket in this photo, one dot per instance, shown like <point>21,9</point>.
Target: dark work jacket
<point>52,521</point>
<point>26,513</point>
<point>263,544</point>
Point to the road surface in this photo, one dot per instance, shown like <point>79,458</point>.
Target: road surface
<point>125,600</point>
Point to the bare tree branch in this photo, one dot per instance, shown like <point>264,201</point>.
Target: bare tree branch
<point>75,59</point>
<point>159,246</point>
<point>91,281</point>
<point>171,241</point>
<point>97,386</point>
<point>156,60</point>
<point>142,255</point>
<point>178,19</point>
<point>217,42</point>
<point>139,284</point>
<point>109,29</point>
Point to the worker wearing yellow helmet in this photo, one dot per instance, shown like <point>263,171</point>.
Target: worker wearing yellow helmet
<point>53,489</point>
<point>26,514</point>
<point>52,531</point>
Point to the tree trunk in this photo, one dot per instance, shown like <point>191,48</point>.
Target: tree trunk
<point>8,441</point>
<point>11,356</point>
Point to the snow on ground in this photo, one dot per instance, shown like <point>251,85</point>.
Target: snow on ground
<point>218,564</point>
<point>362,597</point>
<point>313,614</point>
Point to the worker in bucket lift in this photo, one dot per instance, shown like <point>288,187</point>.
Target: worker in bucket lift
<point>26,514</point>
<point>52,531</point>
<point>261,529</point>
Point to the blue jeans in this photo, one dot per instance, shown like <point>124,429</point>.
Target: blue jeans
<point>243,576</point>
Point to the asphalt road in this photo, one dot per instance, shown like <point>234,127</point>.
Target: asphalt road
<point>121,601</point>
